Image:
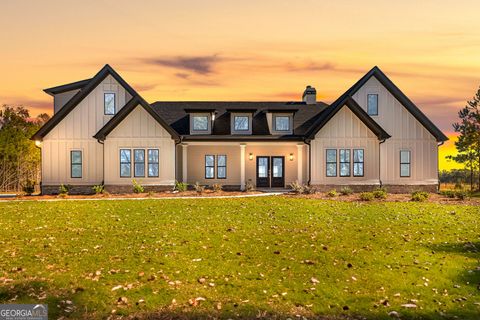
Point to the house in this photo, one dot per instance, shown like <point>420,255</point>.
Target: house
<point>104,132</point>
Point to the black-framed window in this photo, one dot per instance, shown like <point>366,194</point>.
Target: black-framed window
<point>358,162</point>
<point>241,123</point>
<point>153,160</point>
<point>405,163</point>
<point>139,162</point>
<point>125,163</point>
<point>76,164</point>
<point>200,123</point>
<point>372,104</point>
<point>344,155</point>
<point>109,103</point>
<point>282,123</point>
<point>209,167</point>
<point>221,166</point>
<point>331,162</point>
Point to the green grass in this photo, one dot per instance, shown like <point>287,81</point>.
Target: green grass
<point>259,254</point>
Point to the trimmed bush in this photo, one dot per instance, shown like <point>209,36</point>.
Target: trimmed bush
<point>98,189</point>
<point>462,195</point>
<point>309,189</point>
<point>137,188</point>
<point>380,193</point>
<point>217,187</point>
<point>180,186</point>
<point>420,196</point>
<point>198,187</point>
<point>249,186</point>
<point>448,193</point>
<point>296,187</point>
<point>332,193</point>
<point>28,187</point>
<point>63,190</point>
<point>346,191</point>
<point>367,196</point>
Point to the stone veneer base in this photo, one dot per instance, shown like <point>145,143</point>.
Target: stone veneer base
<point>391,188</point>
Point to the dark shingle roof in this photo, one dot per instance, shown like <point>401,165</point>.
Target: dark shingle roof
<point>176,115</point>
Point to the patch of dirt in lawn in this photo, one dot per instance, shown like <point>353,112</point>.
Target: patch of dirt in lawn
<point>391,197</point>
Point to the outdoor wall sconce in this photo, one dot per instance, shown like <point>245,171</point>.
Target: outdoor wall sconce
<point>291,156</point>
<point>250,156</point>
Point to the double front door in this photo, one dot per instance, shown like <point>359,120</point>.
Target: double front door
<point>270,172</point>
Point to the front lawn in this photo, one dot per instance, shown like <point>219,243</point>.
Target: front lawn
<point>256,257</point>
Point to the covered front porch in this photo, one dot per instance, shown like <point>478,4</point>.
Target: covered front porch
<point>236,165</point>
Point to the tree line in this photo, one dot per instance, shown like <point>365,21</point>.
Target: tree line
<point>19,157</point>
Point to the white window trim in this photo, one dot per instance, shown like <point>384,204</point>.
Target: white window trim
<point>276,132</point>
<point>232,123</point>
<point>209,123</point>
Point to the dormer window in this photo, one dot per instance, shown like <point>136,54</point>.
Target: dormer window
<point>282,123</point>
<point>200,123</point>
<point>241,123</point>
<point>109,103</point>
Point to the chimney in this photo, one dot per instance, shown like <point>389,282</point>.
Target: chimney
<point>309,95</point>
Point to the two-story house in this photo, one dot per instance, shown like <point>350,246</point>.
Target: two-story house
<point>104,132</point>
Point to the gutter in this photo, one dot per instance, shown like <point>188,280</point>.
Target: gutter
<point>308,143</point>
<point>379,163</point>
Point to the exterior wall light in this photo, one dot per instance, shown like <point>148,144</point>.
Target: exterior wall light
<point>38,143</point>
<point>291,156</point>
<point>250,156</point>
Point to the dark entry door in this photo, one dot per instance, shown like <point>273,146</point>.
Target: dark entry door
<point>263,172</point>
<point>278,172</point>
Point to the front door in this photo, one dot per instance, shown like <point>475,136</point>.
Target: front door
<point>270,172</point>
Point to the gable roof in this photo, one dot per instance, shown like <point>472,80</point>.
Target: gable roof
<point>356,109</point>
<point>86,87</point>
<point>125,111</point>
<point>176,114</point>
<point>400,96</point>
<point>67,87</point>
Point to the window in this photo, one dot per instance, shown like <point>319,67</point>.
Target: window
<point>153,162</point>
<point>405,163</point>
<point>358,162</point>
<point>209,167</point>
<point>139,163</point>
<point>109,103</point>
<point>200,123</point>
<point>125,163</point>
<point>372,104</point>
<point>241,123</point>
<point>344,162</point>
<point>331,163</point>
<point>221,167</point>
<point>76,164</point>
<point>282,123</point>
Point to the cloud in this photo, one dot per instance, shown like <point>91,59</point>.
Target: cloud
<point>203,65</point>
<point>35,106</point>
<point>145,87</point>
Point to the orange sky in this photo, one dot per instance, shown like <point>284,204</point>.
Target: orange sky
<point>244,50</point>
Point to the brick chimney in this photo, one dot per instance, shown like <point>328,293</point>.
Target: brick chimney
<point>309,95</point>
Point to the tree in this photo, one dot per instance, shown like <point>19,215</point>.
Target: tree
<point>468,144</point>
<point>19,157</point>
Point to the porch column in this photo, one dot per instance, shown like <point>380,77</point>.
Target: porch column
<point>184,162</point>
<point>300,163</point>
<point>242,167</point>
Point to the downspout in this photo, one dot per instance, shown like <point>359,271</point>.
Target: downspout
<point>307,142</point>
<point>438,164</point>
<point>379,163</point>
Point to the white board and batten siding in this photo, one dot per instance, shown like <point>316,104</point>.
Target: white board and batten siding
<point>75,132</point>
<point>407,133</point>
<point>345,131</point>
<point>139,130</point>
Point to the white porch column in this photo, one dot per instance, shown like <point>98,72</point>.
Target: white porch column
<point>184,162</point>
<point>242,167</point>
<point>300,163</point>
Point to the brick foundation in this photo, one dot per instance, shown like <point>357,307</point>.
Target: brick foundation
<point>72,189</point>
<point>129,188</point>
<point>432,188</point>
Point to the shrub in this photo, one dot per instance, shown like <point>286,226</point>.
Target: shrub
<point>296,187</point>
<point>180,186</point>
<point>309,189</point>
<point>217,187</point>
<point>249,186</point>
<point>332,193</point>
<point>98,189</point>
<point>458,185</point>
<point>448,193</point>
<point>63,190</point>
<point>198,187</point>
<point>420,196</point>
<point>380,193</point>
<point>367,196</point>
<point>137,188</point>
<point>346,191</point>
<point>462,195</point>
<point>150,193</point>
<point>28,187</point>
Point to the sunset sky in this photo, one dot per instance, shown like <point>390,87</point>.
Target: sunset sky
<point>244,50</point>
